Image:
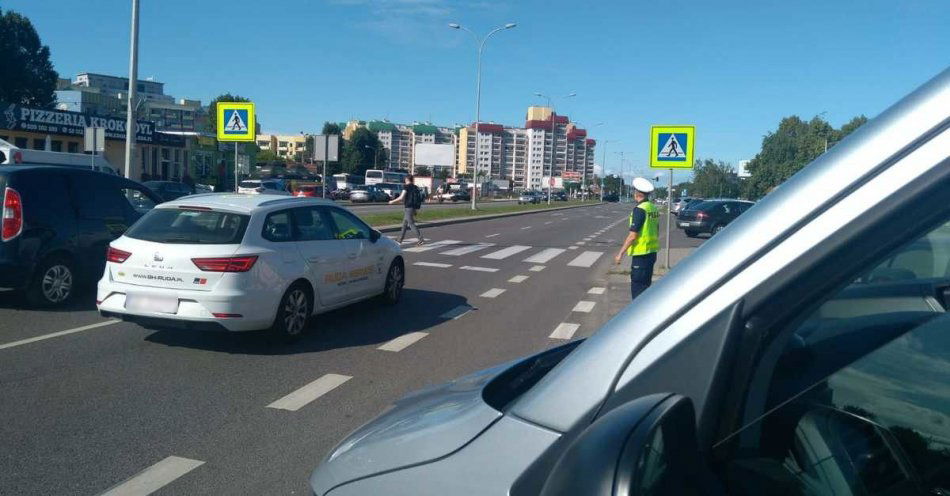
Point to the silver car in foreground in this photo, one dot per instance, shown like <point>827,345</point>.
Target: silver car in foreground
<point>811,357</point>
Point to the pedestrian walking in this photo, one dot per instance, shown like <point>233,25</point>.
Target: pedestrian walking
<point>411,199</point>
<point>643,241</point>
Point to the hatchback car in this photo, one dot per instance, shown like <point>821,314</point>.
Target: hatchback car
<point>811,356</point>
<point>309,191</point>
<point>240,262</point>
<point>710,216</point>
<point>169,190</point>
<point>370,193</point>
<point>257,186</point>
<point>529,197</point>
<point>57,223</point>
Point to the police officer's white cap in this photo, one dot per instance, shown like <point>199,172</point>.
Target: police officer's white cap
<point>642,185</point>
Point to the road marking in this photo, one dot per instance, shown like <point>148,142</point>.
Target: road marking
<point>432,264</point>
<point>581,243</point>
<point>571,247</point>
<point>478,269</point>
<point>467,249</point>
<point>597,291</point>
<point>299,398</point>
<point>584,306</point>
<point>537,268</point>
<point>506,252</point>
<point>549,222</point>
<point>403,342</point>
<point>491,293</point>
<point>518,279</point>
<point>155,477</point>
<point>456,312</point>
<point>432,246</point>
<point>564,331</point>
<point>526,227</point>
<point>57,334</point>
<point>492,235</point>
<point>585,259</point>
<point>544,256</point>
<point>408,240</point>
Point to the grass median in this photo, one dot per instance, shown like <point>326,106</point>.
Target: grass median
<point>430,214</point>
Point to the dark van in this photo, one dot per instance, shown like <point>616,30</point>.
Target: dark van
<point>56,225</point>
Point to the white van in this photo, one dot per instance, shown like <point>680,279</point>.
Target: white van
<point>11,155</point>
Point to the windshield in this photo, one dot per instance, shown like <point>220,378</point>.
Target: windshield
<point>250,184</point>
<point>168,225</point>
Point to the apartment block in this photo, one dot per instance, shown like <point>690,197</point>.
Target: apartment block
<point>290,147</point>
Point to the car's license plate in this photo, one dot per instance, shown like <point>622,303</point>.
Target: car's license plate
<point>684,224</point>
<point>156,304</point>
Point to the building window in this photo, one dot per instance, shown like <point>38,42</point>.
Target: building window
<point>39,144</point>
<point>72,147</point>
<point>57,145</point>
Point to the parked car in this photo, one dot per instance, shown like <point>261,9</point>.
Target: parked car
<point>810,356</point>
<point>559,196</point>
<point>611,197</point>
<point>710,216</point>
<point>309,191</point>
<point>680,204</point>
<point>241,263</point>
<point>529,197</point>
<point>392,190</point>
<point>169,190</point>
<point>340,194</point>
<point>265,186</point>
<point>456,196</point>
<point>57,223</point>
<point>370,193</point>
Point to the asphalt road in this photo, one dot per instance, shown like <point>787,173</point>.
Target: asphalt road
<point>85,411</point>
<point>366,208</point>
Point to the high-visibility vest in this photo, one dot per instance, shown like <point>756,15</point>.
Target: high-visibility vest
<point>648,241</point>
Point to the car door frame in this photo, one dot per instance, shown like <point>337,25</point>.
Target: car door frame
<point>367,262</point>
<point>329,287</point>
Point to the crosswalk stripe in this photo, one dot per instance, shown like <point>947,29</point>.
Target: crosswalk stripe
<point>537,268</point>
<point>467,249</point>
<point>403,342</point>
<point>585,259</point>
<point>572,247</point>
<point>409,241</point>
<point>518,279</point>
<point>432,246</point>
<point>596,291</point>
<point>506,252</point>
<point>564,331</point>
<point>478,269</point>
<point>432,264</point>
<point>544,256</point>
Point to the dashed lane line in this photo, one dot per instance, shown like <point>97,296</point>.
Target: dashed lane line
<point>596,291</point>
<point>155,477</point>
<point>51,335</point>
<point>403,342</point>
<point>526,227</point>
<point>492,293</point>
<point>493,235</point>
<point>301,397</point>
<point>456,312</point>
<point>584,306</point>
<point>564,330</point>
<point>518,279</point>
<point>478,269</point>
<point>537,268</point>
<point>572,247</point>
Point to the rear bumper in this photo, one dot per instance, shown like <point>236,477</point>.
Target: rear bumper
<point>195,310</point>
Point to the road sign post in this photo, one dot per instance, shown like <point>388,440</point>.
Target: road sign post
<point>671,147</point>
<point>236,122</point>
<point>325,149</point>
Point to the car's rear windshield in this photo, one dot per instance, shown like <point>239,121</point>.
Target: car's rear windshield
<point>250,184</point>
<point>186,226</point>
<point>706,205</point>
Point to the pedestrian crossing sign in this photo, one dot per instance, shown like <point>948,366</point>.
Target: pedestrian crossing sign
<point>671,147</point>
<point>236,121</point>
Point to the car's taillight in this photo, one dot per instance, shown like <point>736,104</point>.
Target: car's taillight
<point>117,256</point>
<point>225,264</point>
<point>12,214</point>
<point>17,157</point>
<point>701,215</point>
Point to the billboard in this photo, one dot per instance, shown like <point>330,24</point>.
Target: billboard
<point>431,154</point>
<point>744,169</point>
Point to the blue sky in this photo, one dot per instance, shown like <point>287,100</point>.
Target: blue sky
<point>731,68</point>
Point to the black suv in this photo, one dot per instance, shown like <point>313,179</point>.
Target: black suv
<point>57,223</point>
<point>169,190</point>
<point>710,216</point>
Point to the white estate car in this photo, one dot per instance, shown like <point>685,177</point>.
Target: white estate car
<point>257,187</point>
<point>246,262</point>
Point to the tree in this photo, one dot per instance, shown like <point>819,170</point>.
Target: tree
<point>359,150</point>
<point>331,128</point>
<point>28,75</point>
<point>613,184</point>
<point>443,174</point>
<point>712,179</point>
<point>791,147</point>
<point>213,108</point>
<point>423,171</point>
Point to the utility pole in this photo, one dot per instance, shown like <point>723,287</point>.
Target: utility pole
<point>130,121</point>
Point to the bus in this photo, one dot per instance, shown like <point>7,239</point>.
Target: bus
<point>376,176</point>
<point>347,181</point>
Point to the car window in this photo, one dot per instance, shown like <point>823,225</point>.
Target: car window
<point>312,224</point>
<point>278,227</point>
<point>97,197</point>
<point>173,225</point>
<point>348,226</point>
<point>138,199</point>
<point>858,401</point>
<point>46,198</point>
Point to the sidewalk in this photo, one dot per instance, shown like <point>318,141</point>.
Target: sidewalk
<point>618,280</point>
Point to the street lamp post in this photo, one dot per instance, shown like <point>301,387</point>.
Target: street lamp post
<point>621,174</point>
<point>130,122</point>
<point>553,139</point>
<point>478,92</point>
<point>584,178</point>
<point>603,170</point>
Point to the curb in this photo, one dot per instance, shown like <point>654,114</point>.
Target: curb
<point>462,220</point>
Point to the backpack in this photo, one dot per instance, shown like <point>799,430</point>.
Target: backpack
<point>415,198</point>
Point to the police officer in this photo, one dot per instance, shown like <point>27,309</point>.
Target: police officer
<point>644,239</point>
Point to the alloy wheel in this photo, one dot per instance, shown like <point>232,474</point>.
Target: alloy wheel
<point>295,312</point>
<point>57,283</point>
